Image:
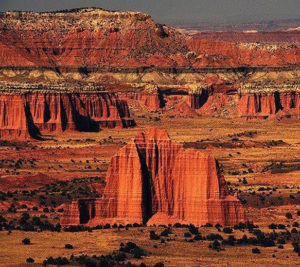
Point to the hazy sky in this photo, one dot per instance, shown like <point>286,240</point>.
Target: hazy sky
<point>176,10</point>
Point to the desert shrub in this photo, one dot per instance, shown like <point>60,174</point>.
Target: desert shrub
<point>255,251</point>
<point>153,235</point>
<point>193,230</point>
<point>187,234</point>
<point>26,241</point>
<point>133,249</point>
<point>198,237</point>
<point>295,224</point>
<point>272,226</point>
<point>289,215</point>
<point>215,245</point>
<point>106,226</point>
<point>281,241</point>
<point>218,226</point>
<point>159,264</point>
<point>294,231</point>
<point>2,219</point>
<point>56,261</point>
<point>243,241</point>
<point>281,226</point>
<point>227,230</point>
<point>212,237</point>
<point>165,232</point>
<point>45,210</point>
<point>30,260</point>
<point>267,243</point>
<point>120,257</point>
<point>68,246</point>
<point>230,241</point>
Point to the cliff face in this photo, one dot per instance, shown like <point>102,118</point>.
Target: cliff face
<point>99,38</point>
<point>15,120</point>
<point>153,180</point>
<point>264,105</point>
<point>88,37</point>
<point>22,115</point>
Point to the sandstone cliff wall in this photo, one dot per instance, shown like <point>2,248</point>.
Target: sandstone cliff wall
<point>29,115</point>
<point>264,105</point>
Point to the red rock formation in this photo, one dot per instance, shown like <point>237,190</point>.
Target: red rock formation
<point>252,37</point>
<point>118,39</point>
<point>156,181</point>
<point>79,212</point>
<point>14,122</point>
<point>265,105</point>
<point>55,113</point>
<point>152,102</point>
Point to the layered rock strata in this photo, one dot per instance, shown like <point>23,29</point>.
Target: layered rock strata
<point>29,115</point>
<point>15,120</point>
<point>94,38</point>
<point>153,180</point>
<point>264,105</point>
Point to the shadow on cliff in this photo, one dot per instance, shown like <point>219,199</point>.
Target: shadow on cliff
<point>32,128</point>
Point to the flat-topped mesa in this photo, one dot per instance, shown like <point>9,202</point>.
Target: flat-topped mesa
<point>96,38</point>
<point>153,180</point>
<point>21,115</point>
<point>265,105</point>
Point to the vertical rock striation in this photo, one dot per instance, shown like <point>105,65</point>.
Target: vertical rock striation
<point>15,119</point>
<point>22,115</point>
<point>264,105</point>
<point>153,180</point>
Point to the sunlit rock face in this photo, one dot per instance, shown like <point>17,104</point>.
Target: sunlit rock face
<point>14,121</point>
<point>92,37</point>
<point>264,105</point>
<point>153,180</point>
<point>30,115</point>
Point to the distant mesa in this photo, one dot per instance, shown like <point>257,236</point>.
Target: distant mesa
<point>97,38</point>
<point>154,181</point>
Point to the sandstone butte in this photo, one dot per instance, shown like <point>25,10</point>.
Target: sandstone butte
<point>95,38</point>
<point>23,116</point>
<point>154,181</point>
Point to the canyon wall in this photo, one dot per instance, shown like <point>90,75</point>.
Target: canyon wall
<point>32,114</point>
<point>223,100</point>
<point>265,105</point>
<point>153,180</point>
<point>15,120</point>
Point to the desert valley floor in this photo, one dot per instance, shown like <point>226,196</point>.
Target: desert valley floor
<point>126,142</point>
<point>260,161</point>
